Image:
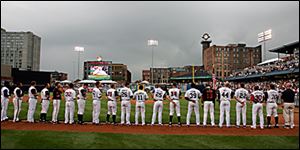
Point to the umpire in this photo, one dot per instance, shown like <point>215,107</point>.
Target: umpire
<point>288,97</point>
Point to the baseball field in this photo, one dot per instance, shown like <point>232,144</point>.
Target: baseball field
<point>46,135</point>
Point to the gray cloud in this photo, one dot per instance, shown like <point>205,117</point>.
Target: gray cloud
<point>119,31</point>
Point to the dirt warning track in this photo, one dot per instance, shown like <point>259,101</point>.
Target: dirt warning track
<point>174,130</point>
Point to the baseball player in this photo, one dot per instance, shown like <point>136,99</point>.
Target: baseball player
<point>4,100</point>
<point>32,93</point>
<point>158,97</point>
<point>56,101</point>
<point>45,95</point>
<point>140,96</point>
<point>82,93</point>
<point>70,96</point>
<point>272,97</point>
<point>17,101</point>
<point>193,95</point>
<point>208,100</point>
<point>257,98</point>
<point>96,103</point>
<point>125,94</point>
<point>174,96</point>
<point>241,95</point>
<point>112,95</point>
<point>224,95</point>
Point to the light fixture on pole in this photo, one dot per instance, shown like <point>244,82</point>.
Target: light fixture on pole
<point>78,49</point>
<point>152,43</point>
<point>263,37</point>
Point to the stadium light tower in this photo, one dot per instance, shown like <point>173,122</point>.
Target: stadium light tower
<point>152,43</point>
<point>263,37</point>
<point>78,49</point>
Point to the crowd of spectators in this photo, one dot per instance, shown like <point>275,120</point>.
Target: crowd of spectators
<point>285,63</point>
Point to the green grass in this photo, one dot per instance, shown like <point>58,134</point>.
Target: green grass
<point>11,139</point>
<point>149,110</point>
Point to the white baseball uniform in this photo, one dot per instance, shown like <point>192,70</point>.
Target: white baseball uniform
<point>174,94</point>
<point>70,96</point>
<point>81,100</point>
<point>4,103</point>
<point>225,97</point>
<point>32,103</point>
<point>96,104</point>
<point>158,94</point>
<point>45,100</point>
<point>112,102</point>
<point>140,96</point>
<point>272,100</point>
<point>17,103</point>
<point>241,94</point>
<point>125,94</point>
<point>193,95</point>
<point>257,107</point>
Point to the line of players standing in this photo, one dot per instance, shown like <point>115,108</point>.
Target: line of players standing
<point>193,95</point>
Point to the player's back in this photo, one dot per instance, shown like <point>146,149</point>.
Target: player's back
<point>140,96</point>
<point>56,93</point>
<point>82,93</point>
<point>159,94</point>
<point>258,96</point>
<point>31,92</point>
<point>96,93</point>
<point>111,94</point>
<point>44,93</point>
<point>273,96</point>
<point>193,94</point>
<point>3,89</point>
<point>15,91</point>
<point>125,93</point>
<point>70,95</point>
<point>209,94</point>
<point>174,93</point>
<point>225,93</point>
<point>241,93</point>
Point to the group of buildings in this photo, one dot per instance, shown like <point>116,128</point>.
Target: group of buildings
<point>176,74</point>
<point>220,60</point>
<point>20,62</point>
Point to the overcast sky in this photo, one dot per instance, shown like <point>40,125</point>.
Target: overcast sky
<point>118,31</point>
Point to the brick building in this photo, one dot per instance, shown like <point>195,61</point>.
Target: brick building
<point>230,58</point>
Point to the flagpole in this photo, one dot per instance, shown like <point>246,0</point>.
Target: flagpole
<point>193,74</point>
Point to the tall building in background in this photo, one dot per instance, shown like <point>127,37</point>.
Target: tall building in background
<point>160,75</point>
<point>230,58</point>
<point>146,75</point>
<point>20,50</point>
